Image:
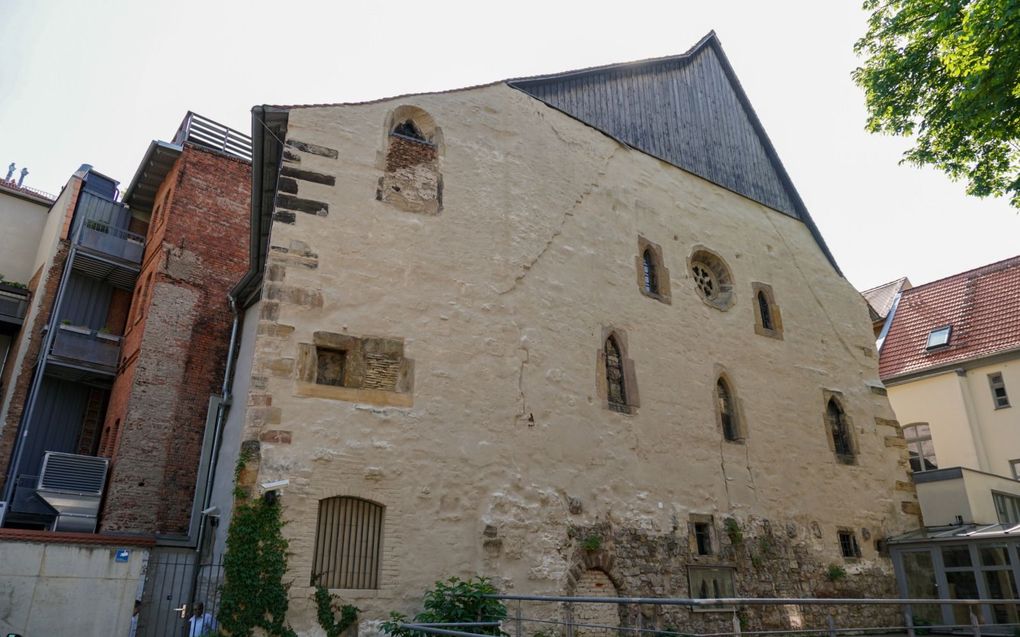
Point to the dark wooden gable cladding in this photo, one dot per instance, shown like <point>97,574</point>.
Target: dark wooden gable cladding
<point>688,110</point>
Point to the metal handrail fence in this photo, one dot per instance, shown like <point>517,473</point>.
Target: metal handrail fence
<point>206,132</point>
<point>568,626</point>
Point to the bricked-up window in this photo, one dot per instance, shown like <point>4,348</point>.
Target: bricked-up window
<point>614,376</point>
<point>348,543</point>
<point>999,397</point>
<point>727,410</point>
<point>848,544</point>
<point>412,180</point>
<point>711,582</point>
<point>331,365</point>
<point>839,429</point>
<point>650,273</point>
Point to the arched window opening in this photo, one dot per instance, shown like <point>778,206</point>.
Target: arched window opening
<point>614,376</point>
<point>651,275</point>
<point>348,543</point>
<point>765,311</point>
<point>839,430</point>
<point>407,128</point>
<point>727,411</point>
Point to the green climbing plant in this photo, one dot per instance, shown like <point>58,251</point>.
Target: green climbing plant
<point>254,595</point>
<point>328,606</point>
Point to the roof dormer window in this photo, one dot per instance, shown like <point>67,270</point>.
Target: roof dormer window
<point>939,337</point>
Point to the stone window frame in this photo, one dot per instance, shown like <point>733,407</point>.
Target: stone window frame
<point>719,271</point>
<point>708,521</point>
<point>630,386</point>
<point>431,137</point>
<point>739,424</point>
<point>662,292</point>
<point>693,570</point>
<point>764,290</point>
<point>358,350</point>
<point>828,396</point>
<point>852,546</point>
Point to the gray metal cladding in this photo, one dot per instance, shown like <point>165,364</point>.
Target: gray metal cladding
<point>56,422</point>
<point>683,110</point>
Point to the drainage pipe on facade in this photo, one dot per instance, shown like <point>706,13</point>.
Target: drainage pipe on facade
<point>221,415</point>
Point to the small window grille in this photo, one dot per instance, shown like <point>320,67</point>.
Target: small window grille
<point>839,430</point>
<point>727,413</point>
<point>651,275</point>
<point>408,129</point>
<point>765,310</point>
<point>331,366</point>
<point>998,386</point>
<point>614,376</point>
<point>703,537</point>
<point>848,544</point>
<point>348,544</point>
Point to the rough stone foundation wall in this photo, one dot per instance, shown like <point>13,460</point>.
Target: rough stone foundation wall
<point>503,302</point>
<point>175,353</point>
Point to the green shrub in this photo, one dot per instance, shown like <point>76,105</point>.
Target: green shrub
<point>454,600</point>
<point>835,573</point>
<point>591,543</point>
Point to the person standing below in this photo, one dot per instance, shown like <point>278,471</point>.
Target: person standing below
<point>201,623</point>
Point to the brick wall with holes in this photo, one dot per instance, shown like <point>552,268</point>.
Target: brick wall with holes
<point>175,347</point>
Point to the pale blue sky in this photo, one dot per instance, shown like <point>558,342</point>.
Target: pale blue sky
<point>94,82</point>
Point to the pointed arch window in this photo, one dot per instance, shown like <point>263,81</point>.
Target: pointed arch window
<point>765,311</point>
<point>615,386</point>
<point>651,276</point>
<point>767,319</point>
<point>726,409</point>
<point>839,430</point>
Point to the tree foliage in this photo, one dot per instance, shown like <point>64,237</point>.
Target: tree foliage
<point>948,73</point>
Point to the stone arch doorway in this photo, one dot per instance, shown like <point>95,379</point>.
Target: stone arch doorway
<point>593,582</point>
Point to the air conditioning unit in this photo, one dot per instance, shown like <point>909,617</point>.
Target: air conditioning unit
<point>73,485</point>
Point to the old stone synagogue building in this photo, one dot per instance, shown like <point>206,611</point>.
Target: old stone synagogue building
<point>575,332</point>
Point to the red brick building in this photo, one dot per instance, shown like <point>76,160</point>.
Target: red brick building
<point>146,303</point>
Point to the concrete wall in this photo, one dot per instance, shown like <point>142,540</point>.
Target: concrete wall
<point>67,589</point>
<point>968,496</point>
<point>504,457</point>
<point>22,221</point>
<point>967,430</point>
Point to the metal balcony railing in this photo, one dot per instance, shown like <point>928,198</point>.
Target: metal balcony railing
<point>99,236</point>
<point>89,348</point>
<point>205,132</point>
<point>13,305</point>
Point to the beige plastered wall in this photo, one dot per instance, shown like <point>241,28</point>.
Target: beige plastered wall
<point>67,589</point>
<point>969,497</point>
<point>23,222</point>
<point>967,430</point>
<point>501,300</point>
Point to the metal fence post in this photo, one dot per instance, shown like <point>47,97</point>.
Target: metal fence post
<point>640,620</point>
<point>570,620</point>
<point>520,628</point>
<point>736,623</point>
<point>974,622</point>
<point>832,625</point>
<point>908,619</point>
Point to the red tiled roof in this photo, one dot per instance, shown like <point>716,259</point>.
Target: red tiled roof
<point>981,305</point>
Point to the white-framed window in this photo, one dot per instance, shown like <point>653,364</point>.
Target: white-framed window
<point>939,336</point>
<point>1007,507</point>
<point>920,447</point>
<point>999,397</point>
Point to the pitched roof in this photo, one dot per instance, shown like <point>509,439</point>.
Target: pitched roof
<point>688,110</point>
<point>880,299</point>
<point>982,306</point>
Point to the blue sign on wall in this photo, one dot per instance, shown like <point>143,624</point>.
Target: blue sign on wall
<point>121,555</point>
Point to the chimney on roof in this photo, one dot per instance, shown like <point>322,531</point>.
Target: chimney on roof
<point>10,172</point>
<point>24,172</point>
